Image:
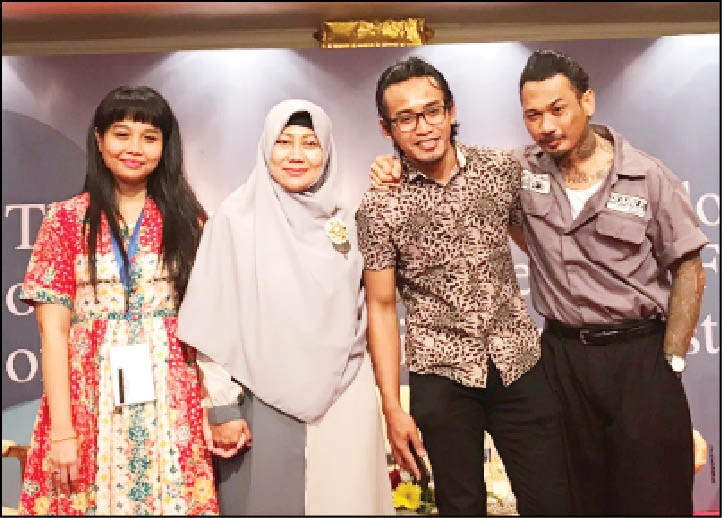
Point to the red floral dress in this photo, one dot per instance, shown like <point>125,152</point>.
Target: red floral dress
<point>146,458</point>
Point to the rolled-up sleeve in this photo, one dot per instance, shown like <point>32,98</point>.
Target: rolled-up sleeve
<point>676,229</point>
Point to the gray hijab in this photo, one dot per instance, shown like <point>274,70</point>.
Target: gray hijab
<point>270,298</point>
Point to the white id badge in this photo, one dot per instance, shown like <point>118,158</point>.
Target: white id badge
<point>627,203</point>
<point>132,374</point>
<point>535,182</point>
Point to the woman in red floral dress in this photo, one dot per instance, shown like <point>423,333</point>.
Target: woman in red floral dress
<point>119,429</point>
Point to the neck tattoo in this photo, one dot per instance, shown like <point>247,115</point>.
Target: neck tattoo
<point>585,149</point>
<point>589,162</point>
<point>587,145</point>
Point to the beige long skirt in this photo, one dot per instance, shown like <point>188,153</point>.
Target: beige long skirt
<point>346,470</point>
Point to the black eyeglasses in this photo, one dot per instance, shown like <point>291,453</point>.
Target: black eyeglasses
<point>433,115</point>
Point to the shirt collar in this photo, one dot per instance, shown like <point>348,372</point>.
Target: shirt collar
<point>413,173</point>
<point>626,158</point>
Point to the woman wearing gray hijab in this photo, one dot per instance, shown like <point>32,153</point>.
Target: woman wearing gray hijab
<point>275,302</point>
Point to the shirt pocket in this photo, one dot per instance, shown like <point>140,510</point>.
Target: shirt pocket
<point>535,204</point>
<point>620,242</point>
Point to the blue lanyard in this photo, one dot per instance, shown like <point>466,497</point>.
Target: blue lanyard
<point>127,278</point>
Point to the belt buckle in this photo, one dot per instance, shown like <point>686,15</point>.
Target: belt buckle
<point>583,333</point>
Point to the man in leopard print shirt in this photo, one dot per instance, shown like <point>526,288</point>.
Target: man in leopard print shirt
<point>471,347</point>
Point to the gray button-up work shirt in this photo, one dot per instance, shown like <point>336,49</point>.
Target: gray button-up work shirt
<point>608,265</point>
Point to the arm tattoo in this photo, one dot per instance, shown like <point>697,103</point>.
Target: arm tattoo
<point>684,304</point>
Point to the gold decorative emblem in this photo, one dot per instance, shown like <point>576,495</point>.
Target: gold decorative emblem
<point>374,33</point>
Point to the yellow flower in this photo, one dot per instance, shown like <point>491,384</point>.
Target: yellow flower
<point>203,490</point>
<point>80,501</point>
<point>336,231</point>
<point>42,505</point>
<point>407,495</point>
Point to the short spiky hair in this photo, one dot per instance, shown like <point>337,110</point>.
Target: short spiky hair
<point>544,64</point>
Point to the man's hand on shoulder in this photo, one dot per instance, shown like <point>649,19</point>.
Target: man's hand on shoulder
<point>385,172</point>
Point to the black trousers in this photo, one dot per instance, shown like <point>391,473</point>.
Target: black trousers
<point>524,419</point>
<point>628,425</point>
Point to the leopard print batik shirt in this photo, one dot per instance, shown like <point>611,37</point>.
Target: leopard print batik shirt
<point>454,269</point>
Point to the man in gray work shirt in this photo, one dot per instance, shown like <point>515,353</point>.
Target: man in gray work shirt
<point>605,224</point>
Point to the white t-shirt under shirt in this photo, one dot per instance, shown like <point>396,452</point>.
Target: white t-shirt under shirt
<point>579,197</point>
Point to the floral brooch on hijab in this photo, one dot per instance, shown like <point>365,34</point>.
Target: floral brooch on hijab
<point>338,234</point>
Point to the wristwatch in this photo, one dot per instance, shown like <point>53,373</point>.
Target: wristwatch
<point>677,363</point>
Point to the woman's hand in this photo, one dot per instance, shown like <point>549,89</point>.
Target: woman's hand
<point>230,438</point>
<point>207,434</point>
<point>64,461</point>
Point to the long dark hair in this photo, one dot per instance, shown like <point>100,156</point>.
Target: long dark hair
<point>182,213</point>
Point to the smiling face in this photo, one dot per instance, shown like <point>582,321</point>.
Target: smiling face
<point>131,150</point>
<point>296,159</point>
<point>426,144</point>
<point>555,115</point>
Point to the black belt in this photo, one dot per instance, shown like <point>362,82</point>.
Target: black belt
<point>603,335</point>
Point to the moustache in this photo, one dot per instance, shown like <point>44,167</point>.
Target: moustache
<point>548,139</point>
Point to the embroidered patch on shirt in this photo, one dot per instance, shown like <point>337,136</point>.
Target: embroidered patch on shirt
<point>535,182</point>
<point>627,203</point>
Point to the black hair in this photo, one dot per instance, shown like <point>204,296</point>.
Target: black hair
<point>183,215</point>
<point>544,64</point>
<point>300,118</point>
<point>405,70</point>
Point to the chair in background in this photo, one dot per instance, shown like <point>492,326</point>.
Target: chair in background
<point>12,450</point>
